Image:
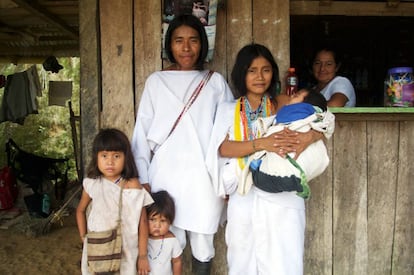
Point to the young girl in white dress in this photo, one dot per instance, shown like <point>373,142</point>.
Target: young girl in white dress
<point>164,250</point>
<point>113,165</point>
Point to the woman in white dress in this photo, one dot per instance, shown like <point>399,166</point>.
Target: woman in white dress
<point>265,231</point>
<point>172,137</point>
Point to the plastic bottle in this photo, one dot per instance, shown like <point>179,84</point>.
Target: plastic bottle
<point>291,82</point>
<point>46,204</point>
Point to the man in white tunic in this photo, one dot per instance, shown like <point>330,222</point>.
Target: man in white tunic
<point>174,158</point>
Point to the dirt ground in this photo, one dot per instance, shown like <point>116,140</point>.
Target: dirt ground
<point>56,252</point>
<point>25,250</point>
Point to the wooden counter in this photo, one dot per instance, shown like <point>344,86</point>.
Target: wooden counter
<point>360,215</point>
<point>374,114</point>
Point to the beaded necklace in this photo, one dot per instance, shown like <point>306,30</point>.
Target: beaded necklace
<point>244,118</point>
<point>159,251</point>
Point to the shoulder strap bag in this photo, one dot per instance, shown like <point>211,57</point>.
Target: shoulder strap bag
<point>105,247</point>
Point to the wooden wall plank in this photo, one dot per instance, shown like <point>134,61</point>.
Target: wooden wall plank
<point>218,63</point>
<point>116,55</point>
<point>318,241</point>
<point>350,198</point>
<point>147,43</point>
<point>89,77</point>
<point>271,28</point>
<point>382,182</point>
<point>403,248</point>
<point>239,30</point>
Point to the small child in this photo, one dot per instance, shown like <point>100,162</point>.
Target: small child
<point>112,167</point>
<point>164,250</point>
<point>301,105</point>
<point>271,173</point>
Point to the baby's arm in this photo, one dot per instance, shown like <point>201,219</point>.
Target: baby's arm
<point>177,265</point>
<point>81,214</point>
<point>177,251</point>
<point>143,263</point>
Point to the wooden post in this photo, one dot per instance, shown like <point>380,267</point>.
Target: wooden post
<point>89,77</point>
<point>117,65</point>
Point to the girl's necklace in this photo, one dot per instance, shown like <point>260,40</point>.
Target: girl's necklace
<point>253,115</point>
<point>248,117</point>
<point>245,118</point>
<point>159,252</point>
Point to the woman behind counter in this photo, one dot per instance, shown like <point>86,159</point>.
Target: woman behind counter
<point>337,90</point>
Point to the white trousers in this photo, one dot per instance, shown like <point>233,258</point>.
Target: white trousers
<point>264,237</point>
<point>202,245</point>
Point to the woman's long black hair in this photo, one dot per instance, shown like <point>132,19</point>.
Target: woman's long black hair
<point>244,60</point>
<point>192,22</point>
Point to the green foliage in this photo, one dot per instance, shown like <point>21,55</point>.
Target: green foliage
<point>48,133</point>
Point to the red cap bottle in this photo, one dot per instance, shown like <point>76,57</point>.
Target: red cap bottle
<point>291,82</point>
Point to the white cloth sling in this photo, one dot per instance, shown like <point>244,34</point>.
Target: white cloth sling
<point>314,160</point>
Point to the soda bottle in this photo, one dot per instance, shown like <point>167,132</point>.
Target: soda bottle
<point>291,82</point>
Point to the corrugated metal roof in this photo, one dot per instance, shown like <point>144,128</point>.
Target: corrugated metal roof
<point>33,30</point>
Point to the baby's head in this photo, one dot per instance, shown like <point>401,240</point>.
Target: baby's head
<point>299,96</point>
<point>161,213</point>
<point>310,96</point>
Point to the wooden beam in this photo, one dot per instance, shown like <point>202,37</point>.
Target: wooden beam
<point>325,2</point>
<point>349,8</point>
<point>57,3</point>
<point>34,8</point>
<point>393,3</point>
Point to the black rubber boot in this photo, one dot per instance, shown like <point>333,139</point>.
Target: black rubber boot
<point>201,268</point>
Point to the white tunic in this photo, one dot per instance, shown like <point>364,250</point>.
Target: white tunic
<point>104,214</point>
<point>160,254</point>
<point>177,164</point>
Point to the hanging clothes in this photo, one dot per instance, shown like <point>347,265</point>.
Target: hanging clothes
<point>34,85</point>
<point>19,99</point>
<point>2,81</point>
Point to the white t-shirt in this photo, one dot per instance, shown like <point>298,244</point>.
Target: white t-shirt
<point>161,252</point>
<point>340,85</point>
